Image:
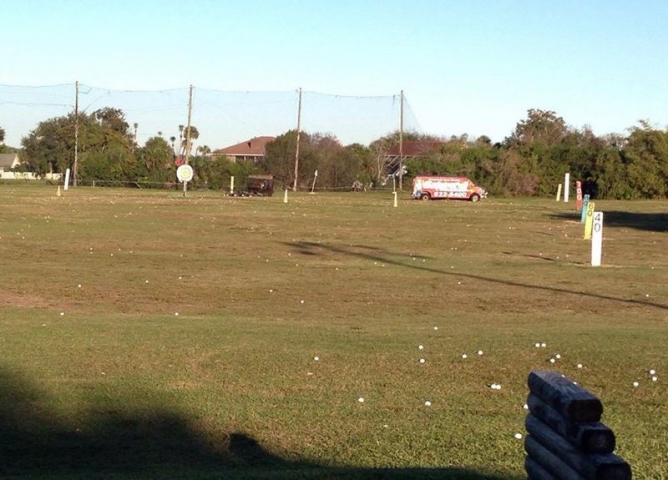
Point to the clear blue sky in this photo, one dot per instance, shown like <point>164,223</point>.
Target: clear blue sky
<point>467,66</point>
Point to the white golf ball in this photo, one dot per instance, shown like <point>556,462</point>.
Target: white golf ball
<point>525,406</point>
<point>301,301</point>
<point>62,314</point>
<point>538,345</point>
<point>652,372</point>
<point>427,403</point>
<point>480,352</point>
<point>543,345</point>
<point>361,399</point>
<point>422,360</point>
<point>176,314</point>
<point>552,360</point>
<point>579,365</point>
<point>420,347</point>
<point>518,436</point>
<point>464,355</point>
<point>635,384</point>
<point>316,358</point>
<point>435,328</point>
<point>146,281</point>
<point>655,378</point>
<point>558,355</point>
<point>79,286</point>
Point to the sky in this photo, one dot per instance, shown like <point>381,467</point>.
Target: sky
<point>465,66</point>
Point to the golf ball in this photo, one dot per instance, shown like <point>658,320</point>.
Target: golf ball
<point>652,372</point>
<point>427,403</point>
<point>316,358</point>
<point>543,345</point>
<point>518,436</point>
<point>579,365</point>
<point>526,407</point>
<point>62,314</point>
<point>558,355</point>
<point>464,355</point>
<point>635,384</point>
<point>420,347</point>
<point>654,379</point>
<point>422,360</point>
<point>302,301</point>
<point>480,352</point>
<point>435,328</point>
<point>538,345</point>
<point>176,314</point>
<point>361,399</point>
<point>552,360</point>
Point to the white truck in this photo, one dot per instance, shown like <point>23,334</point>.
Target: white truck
<point>432,187</point>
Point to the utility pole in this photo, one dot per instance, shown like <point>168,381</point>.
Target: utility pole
<point>299,126</point>
<point>401,143</point>
<point>187,152</point>
<point>76,134</point>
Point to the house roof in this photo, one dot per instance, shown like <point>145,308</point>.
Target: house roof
<point>8,160</point>
<point>253,147</point>
<point>415,148</point>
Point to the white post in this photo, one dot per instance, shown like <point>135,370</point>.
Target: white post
<point>67,179</point>
<point>315,177</point>
<point>232,185</point>
<point>395,198</point>
<point>285,197</point>
<point>567,184</point>
<point>597,240</point>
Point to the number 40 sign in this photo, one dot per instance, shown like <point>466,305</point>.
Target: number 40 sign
<point>597,239</point>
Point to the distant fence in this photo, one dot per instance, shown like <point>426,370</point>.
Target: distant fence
<point>566,439</point>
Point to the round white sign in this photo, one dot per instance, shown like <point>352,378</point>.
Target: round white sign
<point>184,173</point>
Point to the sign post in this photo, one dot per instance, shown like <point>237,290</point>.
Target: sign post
<point>589,220</point>
<point>67,179</point>
<point>567,185</point>
<point>184,174</point>
<point>597,240</point>
<point>583,212</point>
<point>232,185</point>
<point>578,195</point>
<point>558,193</point>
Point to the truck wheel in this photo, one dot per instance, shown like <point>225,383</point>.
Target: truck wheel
<point>425,197</point>
<point>475,197</point>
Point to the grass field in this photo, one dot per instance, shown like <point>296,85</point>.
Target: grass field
<point>147,335</point>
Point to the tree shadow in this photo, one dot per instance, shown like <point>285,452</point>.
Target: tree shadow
<point>651,222</point>
<point>35,442</point>
<point>389,258</point>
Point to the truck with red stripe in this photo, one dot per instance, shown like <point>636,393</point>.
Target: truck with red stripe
<point>434,187</point>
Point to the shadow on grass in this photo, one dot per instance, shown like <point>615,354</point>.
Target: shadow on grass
<point>389,258</point>
<point>651,222</point>
<point>36,443</point>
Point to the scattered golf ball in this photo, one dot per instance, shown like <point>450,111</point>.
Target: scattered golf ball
<point>435,328</point>
<point>79,286</point>
<point>271,290</point>
<point>62,314</point>
<point>464,355</point>
<point>579,365</point>
<point>422,360</point>
<point>557,356</point>
<point>301,301</point>
<point>636,384</point>
<point>361,399</point>
<point>420,347</point>
<point>316,358</point>
<point>427,403</point>
<point>518,436</point>
<point>146,281</point>
<point>480,352</point>
<point>538,345</point>
<point>655,378</point>
<point>652,372</point>
<point>552,360</point>
<point>525,406</point>
<point>543,345</point>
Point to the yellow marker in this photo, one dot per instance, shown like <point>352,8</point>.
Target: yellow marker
<point>558,192</point>
<point>589,219</point>
<point>58,192</point>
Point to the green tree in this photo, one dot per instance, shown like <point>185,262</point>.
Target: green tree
<point>2,135</point>
<point>646,158</point>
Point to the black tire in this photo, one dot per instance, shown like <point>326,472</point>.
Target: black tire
<point>425,197</point>
<point>475,197</point>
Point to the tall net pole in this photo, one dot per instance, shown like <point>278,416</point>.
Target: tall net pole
<point>76,134</point>
<point>187,153</point>
<point>401,142</point>
<point>299,125</point>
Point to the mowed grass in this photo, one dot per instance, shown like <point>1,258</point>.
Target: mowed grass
<point>147,335</point>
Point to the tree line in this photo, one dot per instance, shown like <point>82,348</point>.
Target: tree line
<point>530,162</point>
